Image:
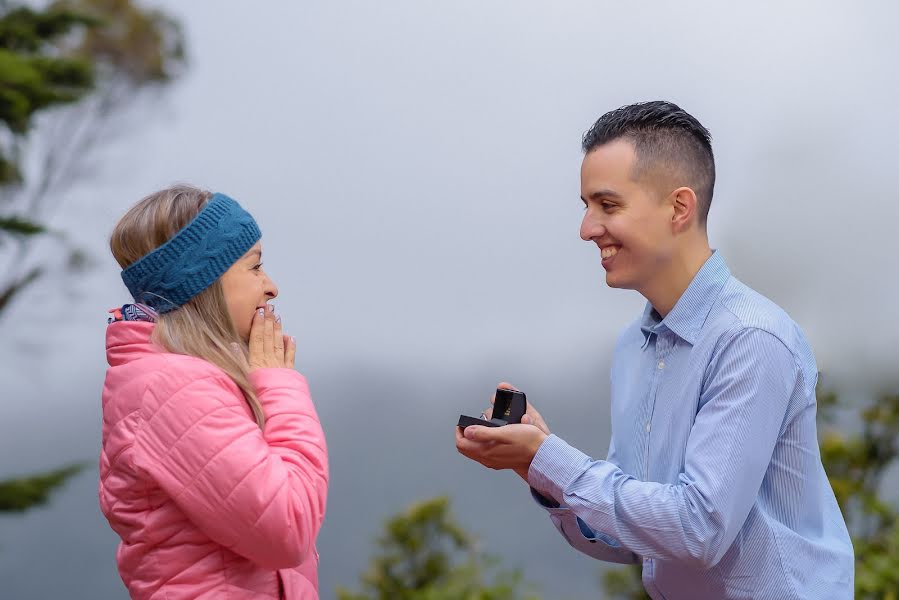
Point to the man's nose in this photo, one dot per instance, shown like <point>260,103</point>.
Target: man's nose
<point>591,227</point>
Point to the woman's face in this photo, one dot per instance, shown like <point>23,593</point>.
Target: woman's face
<point>247,288</point>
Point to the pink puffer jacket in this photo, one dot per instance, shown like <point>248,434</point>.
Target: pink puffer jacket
<point>207,504</point>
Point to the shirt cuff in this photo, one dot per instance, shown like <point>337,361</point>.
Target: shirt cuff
<point>555,466</point>
<point>547,503</point>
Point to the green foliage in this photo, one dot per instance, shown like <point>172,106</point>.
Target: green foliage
<point>23,493</point>
<point>138,45</point>
<point>33,75</point>
<point>856,464</point>
<point>19,226</point>
<point>625,583</point>
<point>425,555</point>
<point>27,31</point>
<point>80,61</point>
<point>87,60</point>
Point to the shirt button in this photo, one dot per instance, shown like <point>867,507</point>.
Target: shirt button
<point>661,364</point>
<point>648,427</point>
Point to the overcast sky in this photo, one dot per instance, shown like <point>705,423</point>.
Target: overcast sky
<point>414,169</point>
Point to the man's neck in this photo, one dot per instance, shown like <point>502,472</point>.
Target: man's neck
<point>669,286</point>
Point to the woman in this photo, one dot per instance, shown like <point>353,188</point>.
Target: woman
<point>213,469</point>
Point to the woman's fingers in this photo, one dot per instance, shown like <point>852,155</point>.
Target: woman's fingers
<point>268,332</point>
<point>269,346</point>
<point>257,333</point>
<point>278,341</point>
<point>290,351</point>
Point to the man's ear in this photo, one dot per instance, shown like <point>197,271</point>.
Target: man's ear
<point>683,201</point>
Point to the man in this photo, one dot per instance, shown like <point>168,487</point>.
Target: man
<point>713,478</point>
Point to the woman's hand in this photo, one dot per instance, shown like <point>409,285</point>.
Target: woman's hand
<point>269,347</point>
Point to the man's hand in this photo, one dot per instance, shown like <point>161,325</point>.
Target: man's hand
<point>507,447</point>
<point>531,416</point>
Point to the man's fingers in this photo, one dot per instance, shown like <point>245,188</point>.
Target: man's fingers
<point>504,385</point>
<point>481,434</point>
<point>479,452</point>
<point>470,449</point>
<point>465,440</point>
<point>536,422</point>
<point>535,418</point>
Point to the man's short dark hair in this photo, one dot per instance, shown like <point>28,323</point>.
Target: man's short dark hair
<point>667,140</point>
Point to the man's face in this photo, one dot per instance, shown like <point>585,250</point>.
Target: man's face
<point>247,288</point>
<point>627,219</point>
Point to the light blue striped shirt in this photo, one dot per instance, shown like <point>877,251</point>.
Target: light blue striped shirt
<point>713,478</point>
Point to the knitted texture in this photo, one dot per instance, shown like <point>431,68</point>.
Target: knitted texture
<point>193,258</point>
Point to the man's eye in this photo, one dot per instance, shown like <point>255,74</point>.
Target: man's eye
<point>257,267</point>
<point>607,206</point>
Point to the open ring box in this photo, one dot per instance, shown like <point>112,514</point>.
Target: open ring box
<point>508,407</point>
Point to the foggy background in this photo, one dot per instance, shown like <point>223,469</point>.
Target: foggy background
<point>414,169</point>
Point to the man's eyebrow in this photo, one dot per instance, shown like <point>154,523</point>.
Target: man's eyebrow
<point>604,193</point>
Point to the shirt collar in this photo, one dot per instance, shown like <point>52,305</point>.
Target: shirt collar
<point>692,308</point>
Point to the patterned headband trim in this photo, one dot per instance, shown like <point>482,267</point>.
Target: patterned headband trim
<point>196,256</point>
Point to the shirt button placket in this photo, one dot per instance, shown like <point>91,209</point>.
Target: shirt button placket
<point>662,345</point>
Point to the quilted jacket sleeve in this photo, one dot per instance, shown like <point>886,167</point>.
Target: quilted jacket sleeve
<point>259,493</point>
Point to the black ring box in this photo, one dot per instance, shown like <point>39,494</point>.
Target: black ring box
<point>510,405</point>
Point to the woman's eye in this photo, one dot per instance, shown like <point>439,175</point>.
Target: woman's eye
<point>257,267</point>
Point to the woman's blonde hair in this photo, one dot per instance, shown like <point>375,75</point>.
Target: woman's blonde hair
<point>202,327</point>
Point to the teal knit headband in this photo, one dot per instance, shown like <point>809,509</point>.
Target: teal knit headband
<point>193,258</point>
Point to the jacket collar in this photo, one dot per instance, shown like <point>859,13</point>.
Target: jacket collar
<point>129,340</point>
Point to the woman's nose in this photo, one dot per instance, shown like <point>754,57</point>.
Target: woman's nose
<point>271,290</point>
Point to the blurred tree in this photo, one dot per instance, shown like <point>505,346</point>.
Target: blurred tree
<point>425,555</point>
<point>856,464</point>
<point>67,71</point>
<point>26,492</point>
<point>625,583</point>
